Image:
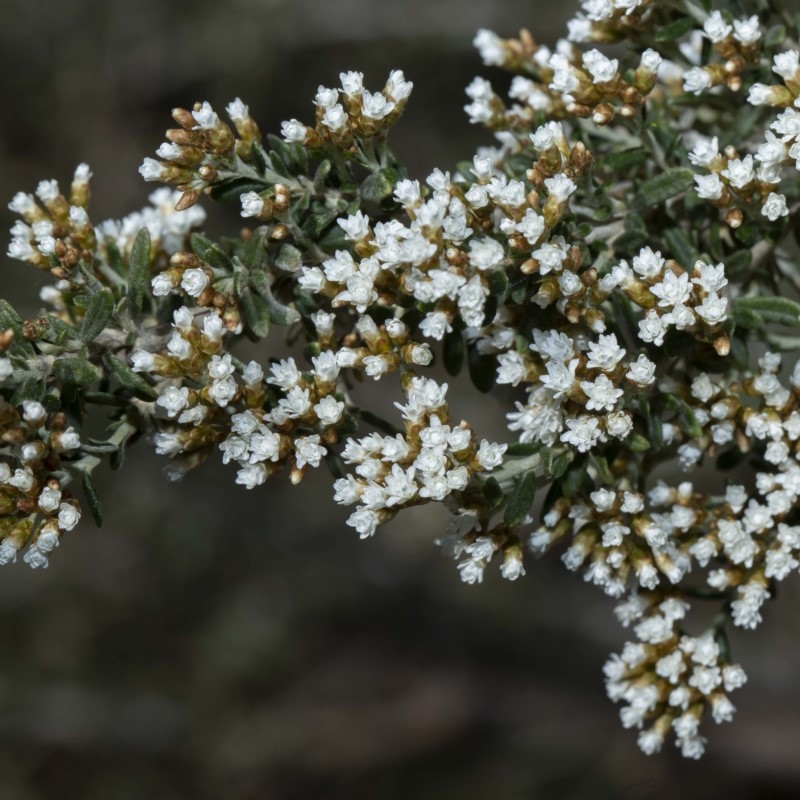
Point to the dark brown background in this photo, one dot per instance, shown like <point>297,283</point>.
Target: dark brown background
<point>214,643</point>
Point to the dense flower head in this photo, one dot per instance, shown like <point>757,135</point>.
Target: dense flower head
<point>613,265</point>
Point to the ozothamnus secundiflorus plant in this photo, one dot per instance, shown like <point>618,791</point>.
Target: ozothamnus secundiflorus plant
<point>624,255</point>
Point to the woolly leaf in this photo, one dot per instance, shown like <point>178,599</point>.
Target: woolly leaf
<point>97,315</point>
<point>668,184</point>
<point>521,500</point>
<point>138,273</point>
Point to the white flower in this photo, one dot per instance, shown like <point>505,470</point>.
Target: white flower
<point>704,151</point>
<point>560,377</point>
<point>605,353</point>
<point>550,256</point>
<point>222,392</point>
<point>22,204</point>
<point>583,433</point>
<point>651,60</point>
<point>252,204</point>
<point>329,410</point>
<point>70,440</point>
<point>253,374</point>
<point>760,95</point>
<point>733,677</point>
<point>642,371</point>
<point>711,278</point>
<point>709,187</point>
<point>205,118</point>
<point>375,106</point>
<point>49,499</point>
<point>194,281</point>
<point>712,309</point>
<point>407,192</point>
<point>547,136</point>
<point>293,130</point>
<point>619,424</point>
<point>326,98</point>
<point>308,450</point>
<point>33,412</point>
<point>168,444</point>
<point>352,82</point>
<point>264,445</point>
<point>716,29</point>
<point>746,31</point>
<point>602,69</point>
<point>652,328</point>
<point>512,567</point>
<point>237,110</point>
<point>161,284</point>
<point>472,571</point>
<point>601,393</point>
<point>579,29</point>
<point>334,117</point>
<point>739,172</point>
<point>485,253</point>
<point>220,367</point>
<point>648,264</point>
<point>142,361</point>
<point>47,191</point>
<point>356,226</point>
<point>151,170</point>
<point>68,516</point>
<point>397,87</point>
<point>787,64</point>
<point>746,608</point>
<point>364,521</point>
<point>22,479</point>
<point>490,47</point>
<point>696,80</point>
<point>531,226</point>
<point>251,476</point>
<point>490,455</point>
<point>673,290</point>
<point>47,541</point>
<point>775,207</point>
<point>285,374</point>
<point>560,187</point>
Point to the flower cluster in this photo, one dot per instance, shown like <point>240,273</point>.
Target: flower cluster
<point>669,679</point>
<point>430,461</point>
<point>35,505</point>
<point>614,264</point>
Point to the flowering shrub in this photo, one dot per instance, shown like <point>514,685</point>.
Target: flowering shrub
<point>620,256</point>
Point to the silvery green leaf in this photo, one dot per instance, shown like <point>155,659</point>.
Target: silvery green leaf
<point>97,315</point>
<point>521,500</point>
<point>139,273</point>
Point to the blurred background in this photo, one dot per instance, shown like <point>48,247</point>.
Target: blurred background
<point>210,642</point>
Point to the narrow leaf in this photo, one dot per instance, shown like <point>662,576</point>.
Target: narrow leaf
<point>453,352</point>
<point>129,379</point>
<point>482,369</point>
<point>256,312</point>
<point>77,371</point>
<point>210,252</point>
<point>492,492</point>
<point>93,499</point>
<point>289,258</point>
<point>97,315</point>
<point>521,500</point>
<point>675,29</point>
<point>523,448</point>
<point>138,273</point>
<point>778,310</point>
<point>668,184</point>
